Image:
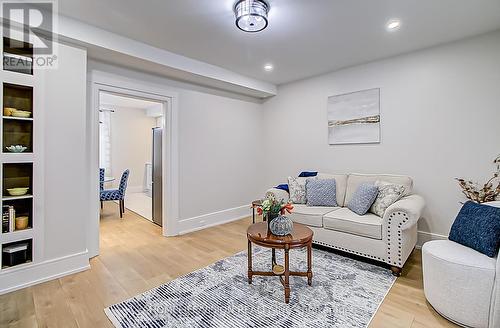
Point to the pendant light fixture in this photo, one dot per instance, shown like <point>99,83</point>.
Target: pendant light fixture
<point>251,15</point>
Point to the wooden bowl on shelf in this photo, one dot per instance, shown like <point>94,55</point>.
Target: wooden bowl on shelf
<point>7,111</point>
<point>22,222</point>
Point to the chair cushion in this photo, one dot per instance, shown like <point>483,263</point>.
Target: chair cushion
<point>340,183</point>
<point>478,226</point>
<point>354,180</point>
<point>452,252</point>
<point>111,194</point>
<point>345,220</point>
<point>310,215</point>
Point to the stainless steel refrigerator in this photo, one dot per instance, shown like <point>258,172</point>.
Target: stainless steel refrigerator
<point>157,176</point>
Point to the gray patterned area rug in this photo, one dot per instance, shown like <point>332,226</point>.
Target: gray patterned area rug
<point>345,293</point>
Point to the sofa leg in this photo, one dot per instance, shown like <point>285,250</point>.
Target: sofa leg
<point>396,271</point>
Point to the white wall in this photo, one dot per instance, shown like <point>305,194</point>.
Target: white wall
<point>440,110</point>
<point>131,145</point>
<point>220,140</point>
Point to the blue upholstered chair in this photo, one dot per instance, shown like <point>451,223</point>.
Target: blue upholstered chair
<point>117,194</point>
<point>101,181</point>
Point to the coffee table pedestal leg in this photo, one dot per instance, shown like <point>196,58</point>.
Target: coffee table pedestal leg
<point>309,264</point>
<point>287,276</point>
<point>249,262</point>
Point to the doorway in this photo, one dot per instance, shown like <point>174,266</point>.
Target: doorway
<point>130,155</point>
<point>120,85</point>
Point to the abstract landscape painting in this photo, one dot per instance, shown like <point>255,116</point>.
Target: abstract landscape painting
<point>354,118</point>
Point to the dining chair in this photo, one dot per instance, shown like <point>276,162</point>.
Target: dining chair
<point>101,181</point>
<point>117,194</point>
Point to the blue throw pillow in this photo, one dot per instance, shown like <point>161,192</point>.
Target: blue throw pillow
<point>321,192</point>
<point>306,174</point>
<point>283,187</point>
<point>477,226</point>
<point>363,198</point>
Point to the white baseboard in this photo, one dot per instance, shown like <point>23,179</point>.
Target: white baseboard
<point>29,275</point>
<point>424,237</point>
<point>213,219</point>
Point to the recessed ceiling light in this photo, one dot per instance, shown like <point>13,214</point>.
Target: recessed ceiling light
<point>393,25</point>
<point>268,67</point>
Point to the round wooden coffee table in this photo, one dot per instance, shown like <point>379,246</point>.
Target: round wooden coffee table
<point>301,236</point>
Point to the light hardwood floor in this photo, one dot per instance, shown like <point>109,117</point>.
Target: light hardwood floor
<point>135,258</point>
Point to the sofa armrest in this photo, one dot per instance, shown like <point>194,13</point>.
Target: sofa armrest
<point>278,194</point>
<point>411,205</point>
<point>399,228</point>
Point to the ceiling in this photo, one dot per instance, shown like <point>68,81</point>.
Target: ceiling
<point>304,37</point>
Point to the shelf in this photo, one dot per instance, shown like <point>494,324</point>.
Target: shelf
<point>16,267</point>
<point>17,157</point>
<point>17,56</point>
<point>17,132</point>
<point>5,198</point>
<point>26,259</point>
<point>17,234</point>
<point>18,118</point>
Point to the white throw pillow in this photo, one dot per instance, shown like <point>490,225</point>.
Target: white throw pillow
<point>388,194</point>
<point>297,187</point>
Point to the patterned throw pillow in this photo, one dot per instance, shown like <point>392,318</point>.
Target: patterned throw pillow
<point>388,194</point>
<point>321,192</point>
<point>297,188</point>
<point>363,198</point>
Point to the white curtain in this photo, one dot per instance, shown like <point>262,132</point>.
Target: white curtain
<point>105,141</point>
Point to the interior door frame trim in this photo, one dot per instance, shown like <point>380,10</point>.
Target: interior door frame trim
<point>105,82</point>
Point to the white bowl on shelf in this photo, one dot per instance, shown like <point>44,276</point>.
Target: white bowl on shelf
<point>21,113</point>
<point>16,148</point>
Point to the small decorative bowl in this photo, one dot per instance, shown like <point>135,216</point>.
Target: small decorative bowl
<point>16,148</point>
<point>21,113</point>
<point>7,111</point>
<point>18,191</point>
<point>21,222</point>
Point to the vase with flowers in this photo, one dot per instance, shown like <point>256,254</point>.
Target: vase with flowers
<point>271,208</point>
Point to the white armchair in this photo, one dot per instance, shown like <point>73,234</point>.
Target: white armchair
<point>462,284</point>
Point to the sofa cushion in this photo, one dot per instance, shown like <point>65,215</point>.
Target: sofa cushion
<point>321,192</point>
<point>355,179</point>
<point>340,183</point>
<point>297,189</point>
<point>345,220</point>
<point>363,198</point>
<point>310,215</point>
<point>388,194</point>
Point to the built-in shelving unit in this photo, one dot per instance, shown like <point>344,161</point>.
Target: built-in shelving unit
<point>20,220</point>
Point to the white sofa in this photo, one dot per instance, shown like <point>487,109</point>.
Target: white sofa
<point>462,284</point>
<point>389,239</point>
